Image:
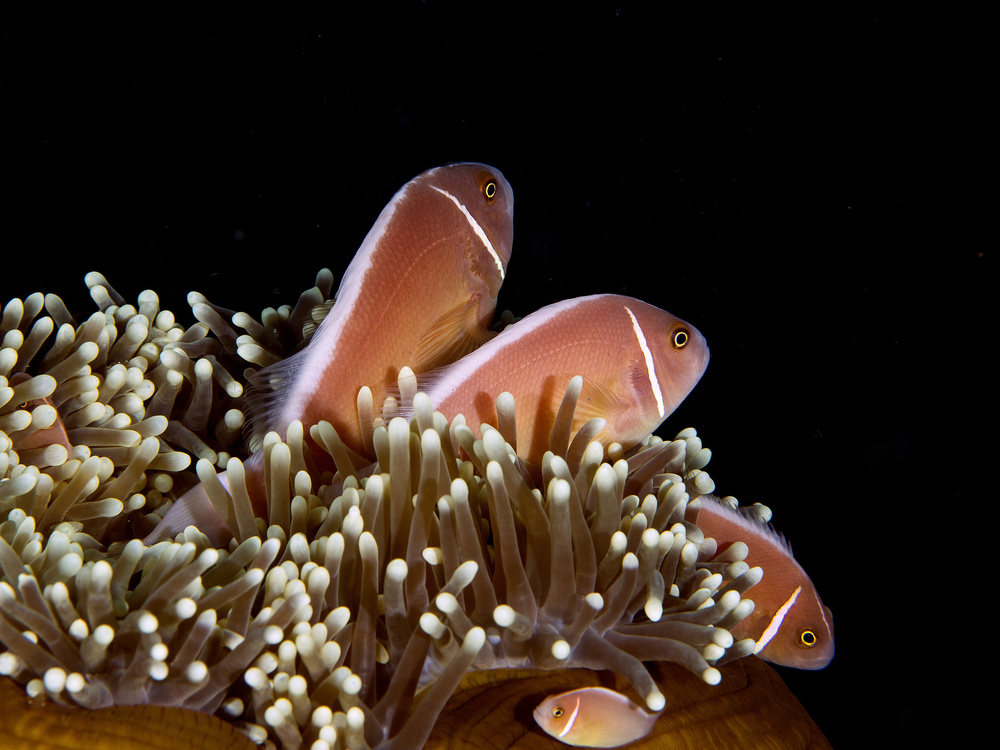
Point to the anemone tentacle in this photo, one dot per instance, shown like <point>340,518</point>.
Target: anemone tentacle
<point>363,590</point>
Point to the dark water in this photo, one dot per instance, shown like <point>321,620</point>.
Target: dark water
<point>801,187</point>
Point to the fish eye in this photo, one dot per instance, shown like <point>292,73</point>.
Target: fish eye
<point>490,191</point>
<point>680,339</point>
<point>808,639</point>
<point>557,712</point>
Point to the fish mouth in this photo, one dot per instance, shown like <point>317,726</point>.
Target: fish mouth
<point>706,356</point>
<point>819,661</point>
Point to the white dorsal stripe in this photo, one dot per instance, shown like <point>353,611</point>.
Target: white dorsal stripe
<point>315,357</point>
<point>455,375</point>
<point>775,625</point>
<point>572,719</point>
<point>650,370</point>
<point>475,228</point>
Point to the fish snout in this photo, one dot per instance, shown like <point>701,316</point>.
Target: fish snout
<point>818,660</point>
<point>702,352</point>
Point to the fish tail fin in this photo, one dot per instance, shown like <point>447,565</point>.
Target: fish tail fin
<point>265,397</point>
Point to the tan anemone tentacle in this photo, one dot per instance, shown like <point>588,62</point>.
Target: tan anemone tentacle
<point>465,564</point>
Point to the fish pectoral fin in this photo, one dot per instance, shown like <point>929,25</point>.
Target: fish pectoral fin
<point>596,401</point>
<point>453,335</point>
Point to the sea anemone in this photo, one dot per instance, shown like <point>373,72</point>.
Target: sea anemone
<point>362,592</point>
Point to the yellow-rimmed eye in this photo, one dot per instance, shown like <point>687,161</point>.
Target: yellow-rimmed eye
<point>680,338</point>
<point>808,639</point>
<point>557,712</point>
<point>488,186</point>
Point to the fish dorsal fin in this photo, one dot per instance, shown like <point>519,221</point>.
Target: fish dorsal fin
<point>453,335</point>
<point>748,520</point>
<point>266,394</point>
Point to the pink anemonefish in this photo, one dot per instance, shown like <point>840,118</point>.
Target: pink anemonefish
<point>637,363</point>
<point>594,717</point>
<point>791,625</point>
<point>420,292</point>
<point>44,441</point>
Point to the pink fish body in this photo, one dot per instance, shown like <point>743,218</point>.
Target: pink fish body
<point>637,363</point>
<point>594,717</point>
<point>791,625</point>
<point>39,439</point>
<point>420,292</point>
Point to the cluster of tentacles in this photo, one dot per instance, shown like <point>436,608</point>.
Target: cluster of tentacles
<point>363,592</point>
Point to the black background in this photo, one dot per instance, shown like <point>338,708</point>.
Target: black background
<point>810,188</point>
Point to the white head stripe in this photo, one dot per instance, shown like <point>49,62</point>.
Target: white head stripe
<point>775,625</point>
<point>650,370</point>
<point>475,228</point>
<point>572,719</point>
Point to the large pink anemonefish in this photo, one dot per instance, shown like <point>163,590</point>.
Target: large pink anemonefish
<point>419,293</point>
<point>637,363</point>
<point>790,623</point>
